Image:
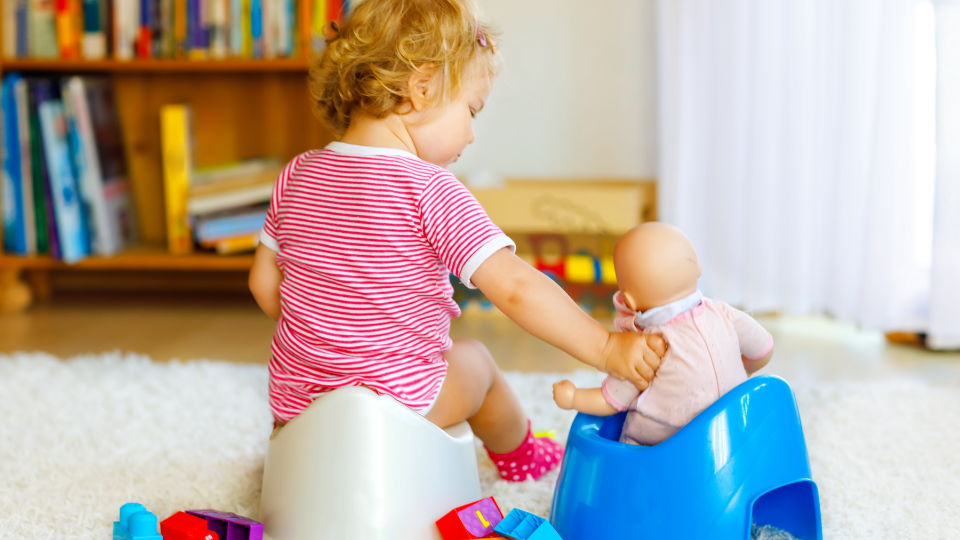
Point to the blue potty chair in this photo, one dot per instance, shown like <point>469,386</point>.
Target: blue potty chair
<point>741,461</point>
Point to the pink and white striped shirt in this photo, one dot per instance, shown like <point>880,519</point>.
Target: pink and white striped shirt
<point>366,238</point>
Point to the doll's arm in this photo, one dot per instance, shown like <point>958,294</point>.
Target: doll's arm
<point>265,278</point>
<point>585,400</point>
<point>543,309</point>
<point>756,343</point>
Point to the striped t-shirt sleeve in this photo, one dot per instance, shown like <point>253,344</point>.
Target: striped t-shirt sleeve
<point>457,227</point>
<point>268,235</point>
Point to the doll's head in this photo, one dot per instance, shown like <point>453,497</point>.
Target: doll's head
<point>655,264</point>
<point>432,62</point>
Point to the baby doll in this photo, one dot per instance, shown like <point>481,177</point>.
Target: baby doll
<point>712,346</point>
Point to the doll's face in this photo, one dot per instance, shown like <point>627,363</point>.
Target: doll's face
<point>655,264</point>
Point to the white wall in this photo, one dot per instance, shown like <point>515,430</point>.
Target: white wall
<point>577,97</point>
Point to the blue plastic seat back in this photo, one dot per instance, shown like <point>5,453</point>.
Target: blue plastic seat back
<point>701,483</point>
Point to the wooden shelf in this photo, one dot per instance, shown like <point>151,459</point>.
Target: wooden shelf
<point>157,66</point>
<point>142,257</point>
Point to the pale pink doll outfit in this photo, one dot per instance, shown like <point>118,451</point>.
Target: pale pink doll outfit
<point>705,341</point>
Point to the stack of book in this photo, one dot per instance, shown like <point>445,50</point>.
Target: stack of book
<point>221,208</point>
<point>65,190</point>
<point>189,29</point>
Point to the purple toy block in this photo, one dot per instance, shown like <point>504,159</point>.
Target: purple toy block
<point>230,526</point>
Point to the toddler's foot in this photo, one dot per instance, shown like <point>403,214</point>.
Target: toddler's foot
<point>535,457</point>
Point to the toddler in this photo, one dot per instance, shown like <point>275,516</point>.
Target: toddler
<point>713,347</point>
<point>361,236</point>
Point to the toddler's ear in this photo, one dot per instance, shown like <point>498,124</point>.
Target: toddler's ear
<point>421,86</point>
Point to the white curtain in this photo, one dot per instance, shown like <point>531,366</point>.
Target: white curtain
<point>944,328</point>
<point>787,155</point>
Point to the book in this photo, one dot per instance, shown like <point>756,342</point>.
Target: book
<point>121,219</point>
<point>168,42</point>
<point>256,28</point>
<point>145,31</point>
<point>219,41</point>
<point>126,28</point>
<point>9,15</point>
<point>175,148</point>
<point>68,40</point>
<point>21,98</point>
<point>43,90</point>
<point>23,28</point>
<point>38,172</point>
<point>240,222</point>
<point>87,167</point>
<point>14,237</point>
<point>233,193</point>
<point>42,41</point>
<point>93,45</point>
<point>240,244</point>
<point>63,186</point>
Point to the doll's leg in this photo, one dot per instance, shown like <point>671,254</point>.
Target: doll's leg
<point>476,391</point>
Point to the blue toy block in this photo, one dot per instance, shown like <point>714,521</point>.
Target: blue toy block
<point>743,460</point>
<point>135,524</point>
<point>521,525</point>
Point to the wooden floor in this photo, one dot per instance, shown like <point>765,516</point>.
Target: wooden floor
<point>232,328</point>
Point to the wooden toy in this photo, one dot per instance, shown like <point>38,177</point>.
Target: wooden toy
<point>474,520</point>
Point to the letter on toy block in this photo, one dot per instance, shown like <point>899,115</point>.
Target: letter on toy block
<point>474,520</point>
<point>520,525</point>
<point>135,523</point>
<point>183,526</point>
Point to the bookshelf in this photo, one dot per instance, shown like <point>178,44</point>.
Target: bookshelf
<point>241,109</point>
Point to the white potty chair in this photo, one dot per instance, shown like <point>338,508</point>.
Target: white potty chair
<point>358,466</point>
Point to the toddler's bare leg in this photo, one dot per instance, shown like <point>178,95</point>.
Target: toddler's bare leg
<point>476,391</point>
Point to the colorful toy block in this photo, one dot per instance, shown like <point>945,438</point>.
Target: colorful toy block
<point>135,523</point>
<point>230,526</point>
<point>520,525</point>
<point>183,526</point>
<point>474,520</point>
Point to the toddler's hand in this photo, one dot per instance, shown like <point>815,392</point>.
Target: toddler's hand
<point>629,356</point>
<point>563,394</point>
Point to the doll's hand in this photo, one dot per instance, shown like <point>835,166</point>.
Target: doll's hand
<point>629,356</point>
<point>563,394</point>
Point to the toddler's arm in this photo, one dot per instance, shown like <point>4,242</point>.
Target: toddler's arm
<point>265,278</point>
<point>542,308</point>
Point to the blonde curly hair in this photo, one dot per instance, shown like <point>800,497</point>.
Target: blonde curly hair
<point>367,64</point>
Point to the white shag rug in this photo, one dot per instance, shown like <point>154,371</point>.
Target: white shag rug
<point>79,438</point>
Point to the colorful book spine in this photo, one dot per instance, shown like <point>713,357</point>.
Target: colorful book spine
<point>256,28</point>
<point>175,145</point>
<point>23,28</point>
<point>66,201</point>
<point>43,31</point>
<point>89,173</point>
<point>145,30</point>
<point>168,42</point>
<point>218,29</point>
<point>105,124</point>
<point>126,28</point>
<point>68,39</point>
<point>21,95</point>
<point>9,15</point>
<point>38,173</point>
<point>181,28</point>
<point>14,237</point>
<point>236,28</point>
<point>319,23</point>
<point>94,43</point>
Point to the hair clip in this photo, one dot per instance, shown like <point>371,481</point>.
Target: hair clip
<point>483,39</point>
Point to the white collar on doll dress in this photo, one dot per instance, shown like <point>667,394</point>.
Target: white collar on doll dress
<point>660,315</point>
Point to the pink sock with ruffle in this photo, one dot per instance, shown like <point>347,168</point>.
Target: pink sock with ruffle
<point>535,457</point>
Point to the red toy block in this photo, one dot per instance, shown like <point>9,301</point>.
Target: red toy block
<point>183,526</point>
<point>474,520</point>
